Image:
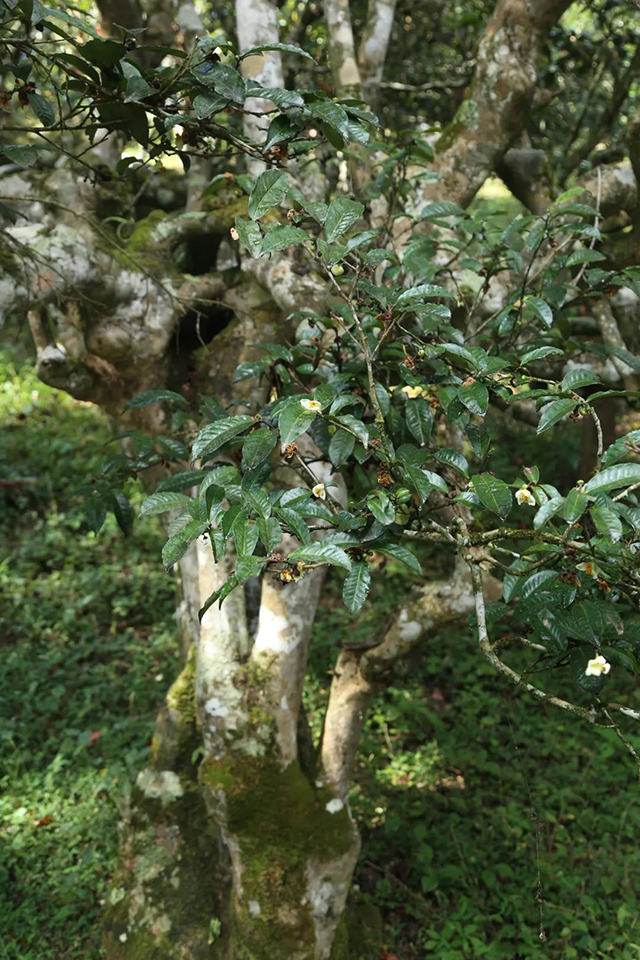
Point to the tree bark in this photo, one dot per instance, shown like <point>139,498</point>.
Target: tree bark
<point>493,114</point>
<point>342,50</point>
<point>374,44</point>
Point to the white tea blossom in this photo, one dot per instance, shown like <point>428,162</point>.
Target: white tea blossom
<point>590,568</point>
<point>314,405</point>
<point>597,666</point>
<point>319,491</point>
<point>524,496</point>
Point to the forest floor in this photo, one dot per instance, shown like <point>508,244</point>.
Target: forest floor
<point>470,797</point>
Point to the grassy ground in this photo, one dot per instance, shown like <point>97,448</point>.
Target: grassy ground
<point>458,773</point>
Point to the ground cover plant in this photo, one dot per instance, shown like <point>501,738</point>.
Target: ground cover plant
<point>330,370</point>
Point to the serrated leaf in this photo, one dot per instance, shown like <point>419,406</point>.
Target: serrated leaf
<point>269,532</point>
<point>206,104</point>
<point>356,426</point>
<point>341,215</point>
<point>441,208</point>
<point>155,396</point>
<point>606,521</point>
<point>554,412</point>
<point>617,476</point>
<point>539,353</point>
<point>454,458</point>
<point>333,115</point>
<point>421,291</point>
<point>293,421</point>
<point>282,237</point>
<point>541,309</point>
<point>574,505</point>
<point>245,534</point>
<point>321,553</point>
<point>417,479</point>
<point>284,47</point>
<point>123,512</point>
<point>493,493</point>
<point>42,109</point>
<point>174,549</point>
<point>547,511</point>
<point>269,190</point>
<point>214,435</point>
<point>579,377</point>
<point>356,586</point>
<point>341,447</point>
<point>381,507</point>
<point>294,522</point>
<point>419,420</point>
<point>164,501</point>
<point>475,397</point>
<point>258,446</point>
<point>399,552</point>
<point>623,447</point>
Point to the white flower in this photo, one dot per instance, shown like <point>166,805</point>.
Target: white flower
<point>597,666</point>
<point>335,805</point>
<point>123,938</point>
<point>319,491</point>
<point>590,568</point>
<point>234,234</point>
<point>314,405</point>
<point>524,496</point>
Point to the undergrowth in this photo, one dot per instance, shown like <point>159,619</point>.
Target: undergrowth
<point>460,777</point>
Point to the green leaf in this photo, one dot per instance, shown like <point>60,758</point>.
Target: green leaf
<point>475,397</point>
<point>270,533</point>
<point>257,499</point>
<point>137,89</point>
<point>206,104</point>
<point>539,353</point>
<point>541,309</point>
<point>164,501</point>
<point>104,53</point>
<point>321,553</point>
<point>421,291</point>
<point>579,377</point>
<point>155,396</point>
<point>606,521</point>
<point>399,552</point>
<point>294,522</point>
<point>419,420</point>
<point>454,458</point>
<point>282,237</point>
<point>341,447</point>
<point>42,109</point>
<point>21,154</point>
<point>441,208</point>
<point>583,256</point>
<point>215,434</point>
<point>95,512</point>
<point>381,507</point>
<point>174,549</point>
<point>356,426</point>
<point>269,190</point>
<point>547,511</point>
<point>284,47</point>
<point>257,447</point>
<point>575,505</point>
<point>245,534</point>
<point>226,81</point>
<point>341,215</point>
<point>419,480</point>
<point>494,494</point>
<point>123,512</point>
<point>356,586</point>
<point>333,115</point>
<point>293,421</point>
<point>621,448</point>
<point>250,235</point>
<point>613,477</point>
<point>554,412</point>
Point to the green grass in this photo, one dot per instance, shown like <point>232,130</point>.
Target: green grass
<point>449,754</point>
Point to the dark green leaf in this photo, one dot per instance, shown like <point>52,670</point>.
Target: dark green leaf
<point>494,494</point>
<point>214,435</point>
<point>356,586</point>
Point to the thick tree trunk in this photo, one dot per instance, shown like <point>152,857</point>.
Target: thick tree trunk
<point>494,112</point>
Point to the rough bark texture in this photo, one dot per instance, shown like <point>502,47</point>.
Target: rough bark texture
<point>342,49</point>
<point>495,110</point>
<point>257,23</point>
<point>374,44</point>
